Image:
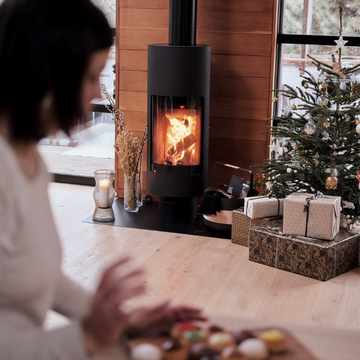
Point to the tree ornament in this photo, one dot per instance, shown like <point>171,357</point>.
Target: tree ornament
<point>340,43</point>
<point>274,99</point>
<point>289,171</point>
<point>306,86</point>
<point>280,150</point>
<point>322,120</point>
<point>293,107</point>
<point>358,129</point>
<point>295,164</point>
<point>358,178</point>
<point>334,154</point>
<point>317,157</point>
<point>326,124</point>
<point>326,136</point>
<point>324,85</point>
<point>303,158</point>
<point>310,127</point>
<point>273,138</point>
<point>337,69</point>
<point>353,78</point>
<point>295,147</point>
<point>331,182</point>
<point>323,101</point>
<point>357,120</point>
<point>342,85</point>
<point>304,135</point>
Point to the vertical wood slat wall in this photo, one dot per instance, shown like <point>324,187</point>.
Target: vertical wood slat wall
<point>241,34</point>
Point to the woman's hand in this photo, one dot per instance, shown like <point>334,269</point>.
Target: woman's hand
<point>105,322</point>
<point>158,319</point>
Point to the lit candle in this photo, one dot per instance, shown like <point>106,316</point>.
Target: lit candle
<point>104,188</point>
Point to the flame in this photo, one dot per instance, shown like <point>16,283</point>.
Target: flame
<point>181,139</point>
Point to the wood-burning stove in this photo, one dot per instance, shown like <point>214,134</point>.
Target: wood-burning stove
<point>178,115</point>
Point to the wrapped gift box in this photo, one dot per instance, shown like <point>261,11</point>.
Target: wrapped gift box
<point>317,259</point>
<point>321,221</point>
<point>256,207</point>
<point>241,224</point>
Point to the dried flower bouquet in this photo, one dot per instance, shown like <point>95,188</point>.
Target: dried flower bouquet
<point>129,150</point>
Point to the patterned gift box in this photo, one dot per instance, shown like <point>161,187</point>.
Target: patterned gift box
<point>317,259</point>
<point>320,221</point>
<point>241,224</point>
<point>257,207</point>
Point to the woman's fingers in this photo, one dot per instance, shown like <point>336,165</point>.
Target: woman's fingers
<point>119,283</point>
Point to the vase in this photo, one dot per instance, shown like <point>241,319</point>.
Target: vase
<point>131,192</point>
<point>104,195</point>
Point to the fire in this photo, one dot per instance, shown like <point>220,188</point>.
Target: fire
<point>181,140</point>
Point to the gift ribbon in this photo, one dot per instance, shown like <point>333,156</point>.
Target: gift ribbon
<point>307,206</point>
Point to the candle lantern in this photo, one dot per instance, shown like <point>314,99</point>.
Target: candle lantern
<point>104,195</point>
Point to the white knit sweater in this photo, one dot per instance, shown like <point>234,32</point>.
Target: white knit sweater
<point>31,280</point>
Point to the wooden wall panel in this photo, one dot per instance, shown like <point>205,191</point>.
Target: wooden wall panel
<point>240,33</point>
<point>215,5</point>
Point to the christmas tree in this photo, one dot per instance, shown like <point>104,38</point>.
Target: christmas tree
<point>317,138</point>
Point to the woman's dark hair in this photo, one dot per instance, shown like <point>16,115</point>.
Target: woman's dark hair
<point>45,48</point>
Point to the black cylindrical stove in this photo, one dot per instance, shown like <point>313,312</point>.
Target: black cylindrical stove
<point>178,116</point>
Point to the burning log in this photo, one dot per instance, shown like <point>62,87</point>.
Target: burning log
<point>182,145</point>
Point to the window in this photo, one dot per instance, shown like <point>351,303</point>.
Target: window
<point>310,27</point>
<point>109,9</point>
<point>91,144</point>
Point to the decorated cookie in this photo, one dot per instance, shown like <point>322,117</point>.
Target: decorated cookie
<point>274,340</point>
<point>254,349</point>
<point>193,336</point>
<point>179,328</point>
<point>221,340</point>
<point>145,351</point>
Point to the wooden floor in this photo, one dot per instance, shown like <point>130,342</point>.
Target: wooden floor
<point>211,273</point>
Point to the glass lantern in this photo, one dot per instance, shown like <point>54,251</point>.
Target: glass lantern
<point>104,195</point>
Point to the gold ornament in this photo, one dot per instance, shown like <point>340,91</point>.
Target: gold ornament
<point>293,107</point>
<point>357,177</point>
<point>274,99</point>
<point>322,120</point>
<point>324,85</point>
<point>306,85</point>
<point>326,124</point>
<point>273,138</point>
<point>317,157</point>
<point>331,182</point>
<point>357,120</point>
<point>296,147</point>
<point>335,154</point>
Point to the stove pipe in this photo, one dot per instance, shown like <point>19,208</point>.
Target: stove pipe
<point>182,22</point>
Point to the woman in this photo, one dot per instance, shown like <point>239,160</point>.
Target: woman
<point>51,55</point>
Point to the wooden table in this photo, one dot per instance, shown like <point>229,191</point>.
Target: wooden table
<point>323,343</point>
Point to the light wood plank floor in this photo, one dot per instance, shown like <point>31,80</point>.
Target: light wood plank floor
<point>211,273</point>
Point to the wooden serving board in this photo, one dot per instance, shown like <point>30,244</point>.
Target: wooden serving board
<point>295,351</point>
